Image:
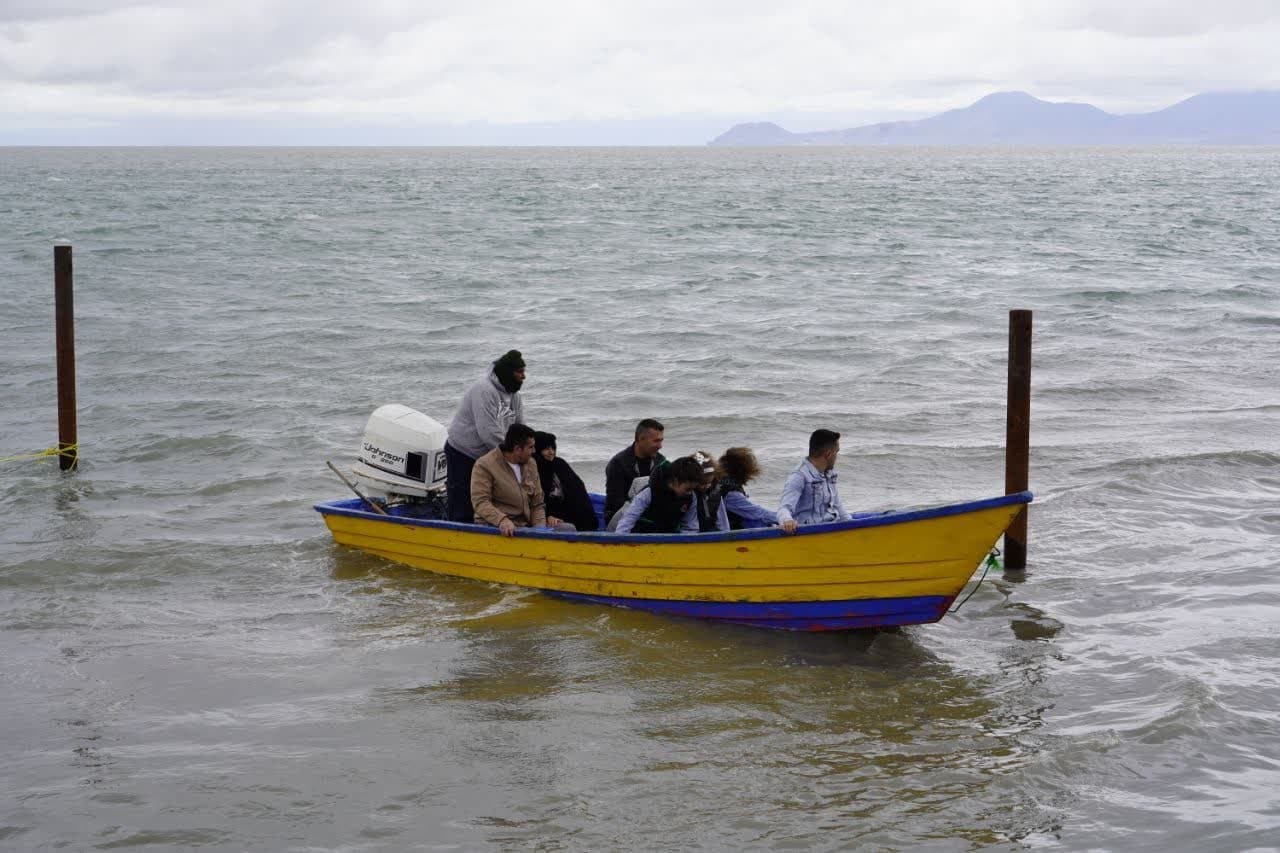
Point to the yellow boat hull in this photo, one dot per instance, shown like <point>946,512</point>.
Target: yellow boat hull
<point>873,570</point>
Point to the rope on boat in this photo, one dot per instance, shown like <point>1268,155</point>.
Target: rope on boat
<point>71,450</point>
<point>992,562</point>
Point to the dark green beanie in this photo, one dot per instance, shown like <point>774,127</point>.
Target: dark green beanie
<point>510,362</point>
<point>505,369</point>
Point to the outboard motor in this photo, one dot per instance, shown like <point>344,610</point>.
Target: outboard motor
<point>401,456</point>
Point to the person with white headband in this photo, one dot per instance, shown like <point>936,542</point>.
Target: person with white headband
<point>711,509</point>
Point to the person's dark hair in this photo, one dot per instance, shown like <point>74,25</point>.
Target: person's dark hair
<point>543,440</point>
<point>649,424</point>
<point>517,435</point>
<point>739,464</point>
<point>821,441</point>
<point>684,470</point>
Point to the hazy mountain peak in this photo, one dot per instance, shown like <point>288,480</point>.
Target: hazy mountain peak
<point>1006,99</point>
<point>755,133</point>
<point>1018,118</point>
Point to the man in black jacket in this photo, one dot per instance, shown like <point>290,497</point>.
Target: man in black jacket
<point>635,460</point>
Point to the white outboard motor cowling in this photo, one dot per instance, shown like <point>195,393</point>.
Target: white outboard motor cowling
<point>402,454</point>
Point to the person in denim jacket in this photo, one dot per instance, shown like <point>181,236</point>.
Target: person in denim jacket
<point>810,494</point>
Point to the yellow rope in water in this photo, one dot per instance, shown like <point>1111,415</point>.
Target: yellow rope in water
<point>70,450</point>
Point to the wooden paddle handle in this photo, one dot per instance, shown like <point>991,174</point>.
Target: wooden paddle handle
<point>352,486</point>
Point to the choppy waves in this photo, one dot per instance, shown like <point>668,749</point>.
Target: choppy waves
<point>188,649</point>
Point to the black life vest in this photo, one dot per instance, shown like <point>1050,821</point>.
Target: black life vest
<point>709,509</point>
<point>723,488</point>
<point>666,509</point>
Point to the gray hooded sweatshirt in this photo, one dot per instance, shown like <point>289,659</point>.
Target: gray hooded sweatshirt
<point>481,422</point>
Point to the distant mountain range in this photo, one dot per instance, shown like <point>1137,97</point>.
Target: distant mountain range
<point>1016,118</point>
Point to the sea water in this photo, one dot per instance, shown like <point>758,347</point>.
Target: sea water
<point>190,661</point>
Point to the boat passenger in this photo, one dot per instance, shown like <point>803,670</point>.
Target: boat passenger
<point>810,494</point>
<point>737,467</point>
<point>666,505</point>
<point>565,493</point>
<point>488,408</point>
<point>707,497</point>
<point>506,491</point>
<point>636,460</point>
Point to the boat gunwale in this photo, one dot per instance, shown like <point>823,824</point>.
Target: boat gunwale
<point>347,507</point>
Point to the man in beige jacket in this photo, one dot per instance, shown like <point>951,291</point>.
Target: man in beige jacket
<point>505,489</point>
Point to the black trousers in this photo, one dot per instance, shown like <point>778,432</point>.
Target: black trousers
<point>457,484</point>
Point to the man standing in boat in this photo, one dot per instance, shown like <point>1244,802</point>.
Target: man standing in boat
<point>488,409</point>
<point>810,494</point>
<point>635,460</point>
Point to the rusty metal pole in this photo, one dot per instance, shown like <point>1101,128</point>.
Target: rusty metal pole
<point>65,330</point>
<point>1017,447</point>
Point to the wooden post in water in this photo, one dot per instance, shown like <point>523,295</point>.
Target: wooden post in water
<point>65,331</point>
<point>1017,447</point>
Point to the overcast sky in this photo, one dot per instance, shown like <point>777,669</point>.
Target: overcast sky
<point>421,70</point>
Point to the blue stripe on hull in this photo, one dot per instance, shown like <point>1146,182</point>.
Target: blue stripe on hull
<point>792,615</point>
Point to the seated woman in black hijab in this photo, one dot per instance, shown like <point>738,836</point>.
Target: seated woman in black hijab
<point>564,491</point>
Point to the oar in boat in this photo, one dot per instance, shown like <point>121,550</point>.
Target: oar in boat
<point>352,487</point>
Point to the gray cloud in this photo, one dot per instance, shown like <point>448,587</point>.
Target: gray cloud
<point>44,10</point>
<point>389,62</point>
<point>1158,18</point>
<point>1161,18</point>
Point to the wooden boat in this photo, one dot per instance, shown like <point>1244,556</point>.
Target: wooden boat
<point>873,570</point>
